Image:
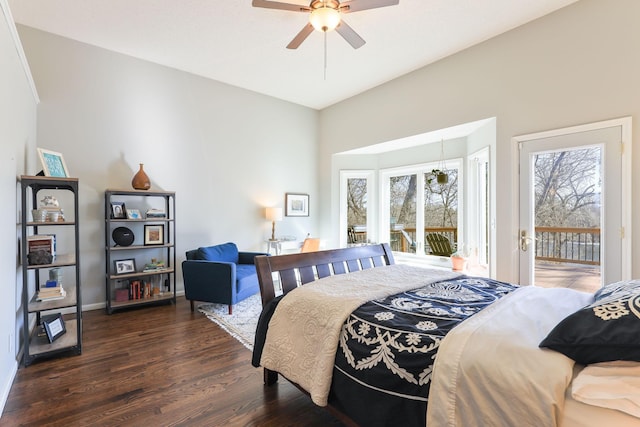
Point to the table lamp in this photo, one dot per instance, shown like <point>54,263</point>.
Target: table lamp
<point>273,215</point>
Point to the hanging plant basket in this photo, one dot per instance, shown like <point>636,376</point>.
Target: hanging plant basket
<point>441,176</point>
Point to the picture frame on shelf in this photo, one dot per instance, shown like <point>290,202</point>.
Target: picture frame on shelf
<point>153,234</point>
<point>53,163</point>
<point>125,266</point>
<point>133,214</point>
<point>118,210</point>
<point>297,204</point>
<point>54,326</point>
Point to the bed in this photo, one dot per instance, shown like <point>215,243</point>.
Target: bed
<point>376,345</point>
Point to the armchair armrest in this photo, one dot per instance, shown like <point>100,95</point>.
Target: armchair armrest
<point>248,257</point>
<point>208,280</point>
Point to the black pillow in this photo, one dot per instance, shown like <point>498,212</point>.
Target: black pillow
<point>607,330</point>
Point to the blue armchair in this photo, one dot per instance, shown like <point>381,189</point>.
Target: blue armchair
<point>220,274</point>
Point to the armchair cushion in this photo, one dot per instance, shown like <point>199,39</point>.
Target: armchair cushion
<point>246,278</point>
<point>225,252</point>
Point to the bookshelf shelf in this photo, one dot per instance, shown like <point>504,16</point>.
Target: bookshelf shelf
<point>35,275</point>
<point>123,285</point>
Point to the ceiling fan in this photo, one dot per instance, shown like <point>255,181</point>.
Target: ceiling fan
<point>325,15</point>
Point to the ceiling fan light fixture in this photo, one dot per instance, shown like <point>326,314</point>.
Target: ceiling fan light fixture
<point>324,19</point>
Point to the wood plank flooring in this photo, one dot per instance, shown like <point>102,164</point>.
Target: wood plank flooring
<point>155,366</point>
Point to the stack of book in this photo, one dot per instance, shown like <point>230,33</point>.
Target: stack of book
<point>50,294</point>
<point>155,213</point>
<point>154,266</point>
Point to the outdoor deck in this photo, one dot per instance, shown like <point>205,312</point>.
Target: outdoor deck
<point>581,277</point>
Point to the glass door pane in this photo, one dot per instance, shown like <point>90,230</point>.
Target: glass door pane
<point>567,203</point>
<point>402,213</point>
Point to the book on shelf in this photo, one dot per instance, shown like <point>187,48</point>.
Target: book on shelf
<point>155,213</point>
<point>51,294</point>
<point>46,242</point>
<point>154,266</point>
<point>134,289</point>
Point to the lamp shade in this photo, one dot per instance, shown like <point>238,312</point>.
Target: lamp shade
<point>273,214</point>
<point>324,19</point>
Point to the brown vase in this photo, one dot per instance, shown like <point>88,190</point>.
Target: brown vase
<point>140,180</point>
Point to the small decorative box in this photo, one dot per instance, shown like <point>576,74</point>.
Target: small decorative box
<point>122,295</point>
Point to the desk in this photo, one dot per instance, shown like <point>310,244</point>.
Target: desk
<point>279,245</point>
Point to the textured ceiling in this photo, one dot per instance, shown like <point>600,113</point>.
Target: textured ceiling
<point>235,43</point>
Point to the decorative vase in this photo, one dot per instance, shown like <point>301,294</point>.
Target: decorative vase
<point>140,180</point>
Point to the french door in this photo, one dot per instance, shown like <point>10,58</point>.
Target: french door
<point>572,209</point>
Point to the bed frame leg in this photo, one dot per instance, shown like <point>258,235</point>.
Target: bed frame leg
<point>270,377</point>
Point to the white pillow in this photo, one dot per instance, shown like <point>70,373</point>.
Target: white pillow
<point>614,385</point>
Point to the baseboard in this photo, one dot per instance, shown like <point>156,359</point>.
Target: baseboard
<point>6,387</point>
<point>99,305</point>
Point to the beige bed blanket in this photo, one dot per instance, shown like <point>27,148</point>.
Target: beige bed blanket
<point>489,370</point>
<point>303,334</point>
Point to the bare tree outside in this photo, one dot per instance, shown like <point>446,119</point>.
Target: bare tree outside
<point>441,201</point>
<point>567,188</point>
<point>356,201</point>
<point>567,201</point>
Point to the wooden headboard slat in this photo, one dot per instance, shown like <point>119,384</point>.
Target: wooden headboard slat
<point>366,263</point>
<point>288,280</point>
<point>323,270</point>
<point>338,268</point>
<point>353,265</point>
<point>307,274</point>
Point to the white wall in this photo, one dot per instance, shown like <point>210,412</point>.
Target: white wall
<point>577,65</point>
<point>17,139</point>
<point>227,152</point>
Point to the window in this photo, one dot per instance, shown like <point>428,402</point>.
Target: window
<point>425,221</point>
<point>356,207</point>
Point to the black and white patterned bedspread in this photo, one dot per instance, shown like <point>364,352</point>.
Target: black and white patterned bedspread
<point>387,349</point>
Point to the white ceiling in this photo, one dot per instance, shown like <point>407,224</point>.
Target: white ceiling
<point>235,43</point>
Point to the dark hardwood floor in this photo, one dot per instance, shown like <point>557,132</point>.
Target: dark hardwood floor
<point>155,366</point>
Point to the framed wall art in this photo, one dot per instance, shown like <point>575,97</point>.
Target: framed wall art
<point>154,234</point>
<point>53,163</point>
<point>125,266</point>
<point>133,214</point>
<point>118,210</point>
<point>296,204</point>
<point>53,326</point>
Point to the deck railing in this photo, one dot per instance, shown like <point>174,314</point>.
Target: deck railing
<point>568,244</point>
<point>559,244</point>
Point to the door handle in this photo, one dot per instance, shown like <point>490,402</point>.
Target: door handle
<point>525,240</point>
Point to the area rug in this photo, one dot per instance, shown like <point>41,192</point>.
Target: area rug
<point>242,323</point>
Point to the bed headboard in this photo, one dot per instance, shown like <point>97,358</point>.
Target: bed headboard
<point>298,269</point>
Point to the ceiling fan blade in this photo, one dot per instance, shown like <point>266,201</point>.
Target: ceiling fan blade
<point>350,35</point>
<point>300,37</point>
<point>357,5</point>
<point>279,5</point>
